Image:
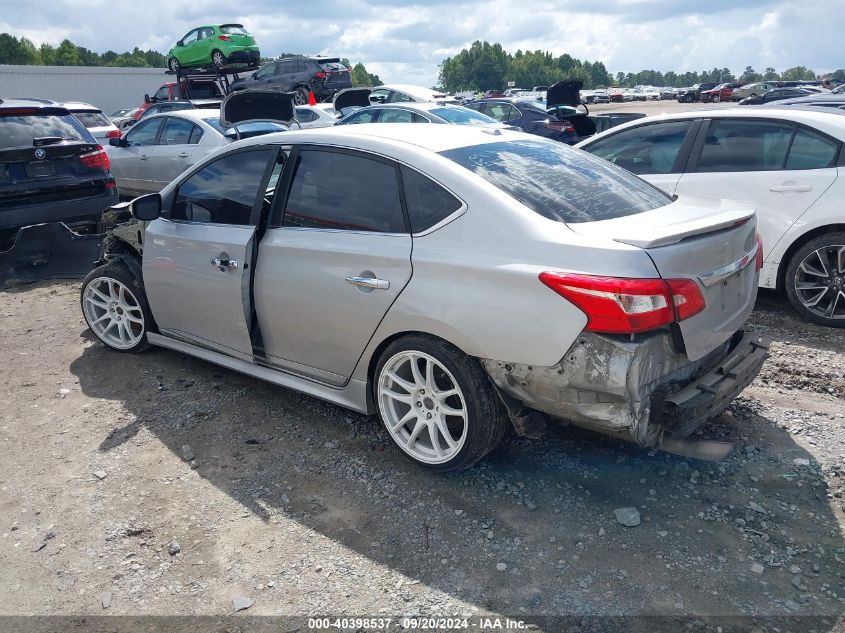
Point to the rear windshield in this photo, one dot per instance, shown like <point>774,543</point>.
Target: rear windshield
<point>463,116</point>
<point>92,118</point>
<point>233,29</point>
<point>558,182</point>
<point>333,66</point>
<point>21,130</point>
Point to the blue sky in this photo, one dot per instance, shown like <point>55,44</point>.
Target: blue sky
<point>404,40</point>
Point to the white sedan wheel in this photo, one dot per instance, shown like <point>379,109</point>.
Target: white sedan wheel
<point>113,313</point>
<point>423,407</point>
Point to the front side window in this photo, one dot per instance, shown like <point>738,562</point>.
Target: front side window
<point>500,111</point>
<point>333,190</point>
<point>225,191</point>
<point>143,133</point>
<point>648,149</point>
<point>367,115</point>
<point>266,71</point>
<point>558,182</point>
<point>176,132</point>
<point>190,37</point>
<point>811,151</point>
<point>428,202</point>
<point>162,93</point>
<point>744,145</point>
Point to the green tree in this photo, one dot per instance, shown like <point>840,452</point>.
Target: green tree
<point>770,74</point>
<point>749,75</point>
<point>66,54</point>
<point>797,73</point>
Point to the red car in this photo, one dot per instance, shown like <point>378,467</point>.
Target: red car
<point>170,91</point>
<point>722,92</point>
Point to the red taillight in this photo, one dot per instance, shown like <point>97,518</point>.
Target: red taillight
<point>18,111</point>
<point>98,159</point>
<point>686,298</point>
<point>625,306</point>
<point>320,75</point>
<point>225,38</point>
<point>113,134</point>
<point>759,259</point>
<point>111,184</point>
<point>559,126</point>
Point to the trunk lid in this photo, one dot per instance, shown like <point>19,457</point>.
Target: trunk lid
<point>257,105</point>
<point>237,34</point>
<point>352,98</point>
<point>566,92</point>
<point>711,242</point>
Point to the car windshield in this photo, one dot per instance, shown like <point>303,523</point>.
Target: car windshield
<point>839,90</point>
<point>19,129</point>
<point>558,182</point>
<point>233,29</point>
<point>463,116</point>
<point>91,118</point>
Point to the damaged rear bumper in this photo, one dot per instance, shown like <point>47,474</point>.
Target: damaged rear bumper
<point>639,390</point>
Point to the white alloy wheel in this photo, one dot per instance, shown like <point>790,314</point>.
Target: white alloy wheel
<point>423,407</point>
<point>113,313</point>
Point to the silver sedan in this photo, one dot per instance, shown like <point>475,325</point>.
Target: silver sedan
<point>158,148</point>
<point>452,280</point>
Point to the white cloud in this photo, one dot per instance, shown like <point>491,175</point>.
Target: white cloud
<point>404,40</point>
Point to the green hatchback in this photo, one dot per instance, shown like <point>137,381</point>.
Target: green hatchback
<point>214,45</point>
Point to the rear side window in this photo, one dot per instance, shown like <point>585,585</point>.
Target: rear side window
<point>811,151</point>
<point>558,182</point>
<point>333,190</point>
<point>734,145</point>
<point>20,130</point>
<point>647,149</point>
<point>396,116</point>
<point>333,66</point>
<point>92,118</point>
<point>305,115</point>
<point>428,202</point>
<point>223,192</point>
<point>501,111</point>
<point>362,116</point>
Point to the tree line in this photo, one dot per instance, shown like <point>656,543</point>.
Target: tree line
<point>21,51</point>
<point>486,66</point>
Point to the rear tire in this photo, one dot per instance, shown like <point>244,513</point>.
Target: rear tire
<point>424,389</point>
<point>115,308</point>
<point>218,58</point>
<point>301,95</point>
<point>815,280</point>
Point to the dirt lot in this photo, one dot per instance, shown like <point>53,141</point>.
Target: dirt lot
<point>111,463</point>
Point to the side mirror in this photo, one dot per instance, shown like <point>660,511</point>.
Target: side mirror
<point>116,142</point>
<point>180,43</point>
<point>378,99</point>
<point>255,75</point>
<point>146,208</point>
<point>147,98</point>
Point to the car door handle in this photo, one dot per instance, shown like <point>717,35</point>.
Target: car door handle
<point>144,157</point>
<point>184,155</point>
<point>785,188</point>
<point>369,282</point>
<point>223,264</point>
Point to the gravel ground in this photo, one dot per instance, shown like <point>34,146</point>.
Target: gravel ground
<point>159,484</point>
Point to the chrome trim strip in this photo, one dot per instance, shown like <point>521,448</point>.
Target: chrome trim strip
<point>715,276</point>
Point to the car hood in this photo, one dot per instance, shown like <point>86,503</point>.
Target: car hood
<point>566,92</point>
<point>352,97</point>
<point>257,105</point>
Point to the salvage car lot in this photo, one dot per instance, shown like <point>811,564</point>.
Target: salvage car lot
<point>303,507</point>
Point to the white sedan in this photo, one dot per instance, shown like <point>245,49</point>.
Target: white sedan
<point>787,161</point>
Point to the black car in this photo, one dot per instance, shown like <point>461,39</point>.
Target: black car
<point>324,76</point>
<point>694,93</point>
<point>556,119</point>
<point>51,167</point>
<point>778,94</point>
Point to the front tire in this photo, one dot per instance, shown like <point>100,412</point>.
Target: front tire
<point>815,280</point>
<point>437,404</point>
<point>115,308</point>
<point>173,64</point>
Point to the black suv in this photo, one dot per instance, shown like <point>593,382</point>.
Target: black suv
<point>694,93</point>
<point>51,167</point>
<point>324,76</point>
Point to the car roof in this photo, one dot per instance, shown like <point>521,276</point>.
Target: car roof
<point>827,120</point>
<point>375,136</point>
<point>78,106</point>
<point>27,102</point>
<point>410,89</point>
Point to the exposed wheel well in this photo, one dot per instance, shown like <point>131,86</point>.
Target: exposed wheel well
<point>809,235</point>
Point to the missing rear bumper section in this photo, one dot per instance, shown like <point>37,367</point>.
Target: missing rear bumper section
<point>642,390</point>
